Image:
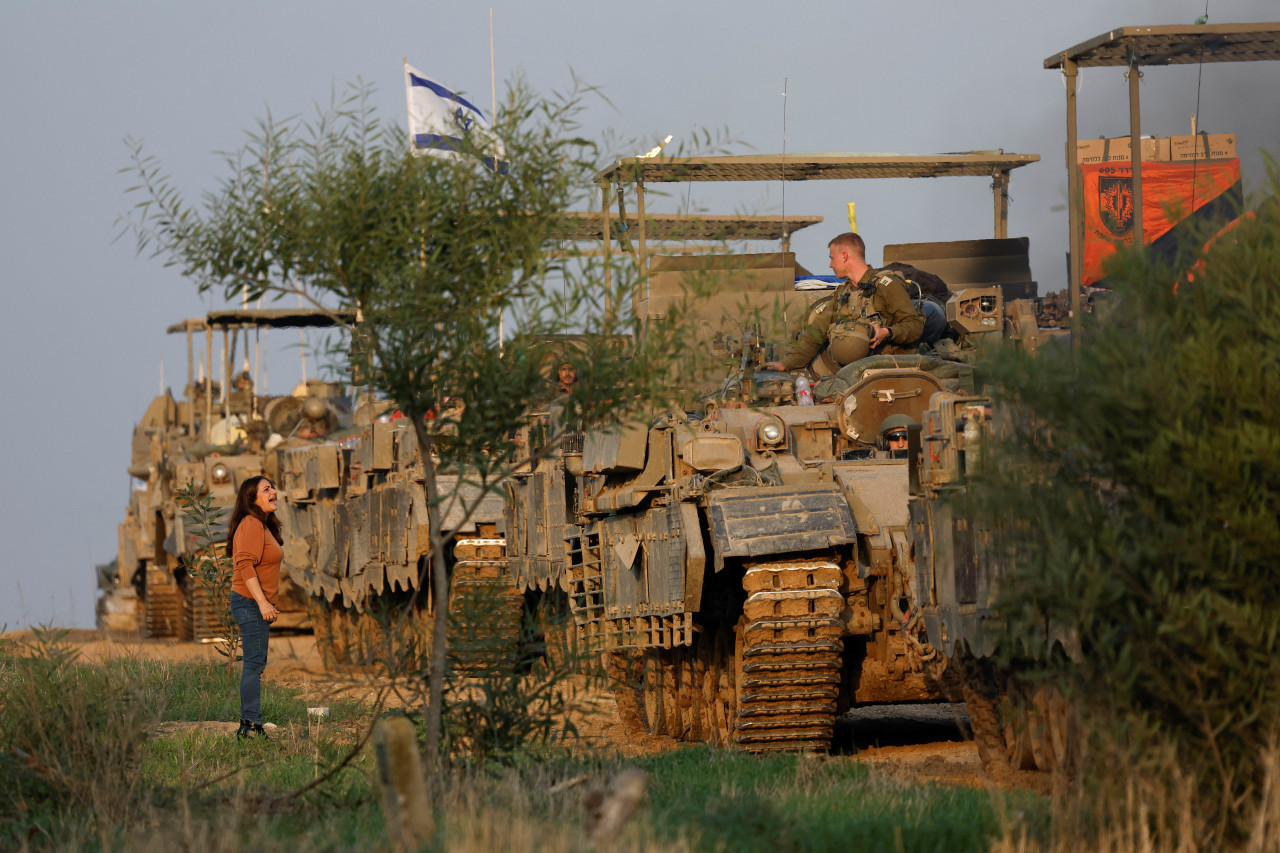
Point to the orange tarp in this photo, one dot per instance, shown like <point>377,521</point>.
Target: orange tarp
<point>1170,193</point>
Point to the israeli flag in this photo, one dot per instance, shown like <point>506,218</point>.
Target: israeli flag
<point>439,120</point>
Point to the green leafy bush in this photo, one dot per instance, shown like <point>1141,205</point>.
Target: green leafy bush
<point>1137,493</point>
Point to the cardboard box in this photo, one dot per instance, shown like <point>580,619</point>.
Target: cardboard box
<point>1154,148</point>
<point>1203,146</point>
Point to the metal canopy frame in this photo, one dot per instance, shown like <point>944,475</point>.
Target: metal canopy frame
<point>1132,48</point>
<point>995,165</point>
<point>244,318</point>
<point>582,225</point>
<point>265,318</point>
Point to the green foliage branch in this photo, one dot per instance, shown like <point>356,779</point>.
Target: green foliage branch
<point>1136,493</point>
<point>209,564</point>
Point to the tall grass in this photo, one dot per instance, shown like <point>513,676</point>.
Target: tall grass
<point>109,773</point>
<point>122,756</point>
<point>1151,804</point>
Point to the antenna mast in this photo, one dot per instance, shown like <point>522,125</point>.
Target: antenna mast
<point>786,237</point>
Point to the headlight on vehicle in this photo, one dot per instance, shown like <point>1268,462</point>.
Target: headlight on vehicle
<point>219,474</point>
<point>771,432</point>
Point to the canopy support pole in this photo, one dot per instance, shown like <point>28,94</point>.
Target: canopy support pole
<point>1075,216</point>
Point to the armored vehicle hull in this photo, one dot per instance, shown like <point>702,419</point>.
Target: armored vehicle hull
<point>750,568</point>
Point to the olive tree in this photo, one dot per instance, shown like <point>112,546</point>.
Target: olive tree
<point>435,254</point>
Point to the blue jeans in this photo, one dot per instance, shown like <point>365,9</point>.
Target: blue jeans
<point>253,642</point>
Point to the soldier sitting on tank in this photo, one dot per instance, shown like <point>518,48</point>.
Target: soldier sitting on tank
<point>241,399</point>
<point>871,313</point>
<point>893,435</point>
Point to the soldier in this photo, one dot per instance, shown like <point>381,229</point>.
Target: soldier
<point>893,433</point>
<point>566,376</point>
<point>870,312</point>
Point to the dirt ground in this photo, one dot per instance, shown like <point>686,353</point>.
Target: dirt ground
<point>920,742</point>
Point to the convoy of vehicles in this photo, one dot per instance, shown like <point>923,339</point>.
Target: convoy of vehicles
<point>753,565</point>
<point>753,562</point>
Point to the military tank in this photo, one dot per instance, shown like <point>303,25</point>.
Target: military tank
<point>756,564</point>
<point>751,564</point>
<point>214,439</point>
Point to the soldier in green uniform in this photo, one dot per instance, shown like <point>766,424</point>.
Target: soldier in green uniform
<point>870,313</point>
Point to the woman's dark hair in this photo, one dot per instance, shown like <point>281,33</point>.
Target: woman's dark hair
<point>246,504</point>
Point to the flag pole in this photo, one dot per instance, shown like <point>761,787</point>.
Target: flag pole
<point>408,101</point>
<point>493,80</point>
<point>493,123</point>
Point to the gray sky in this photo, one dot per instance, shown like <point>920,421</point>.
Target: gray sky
<point>86,317</point>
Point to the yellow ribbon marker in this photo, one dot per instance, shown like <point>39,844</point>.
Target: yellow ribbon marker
<point>853,219</point>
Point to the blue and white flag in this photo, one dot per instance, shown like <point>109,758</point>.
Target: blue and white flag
<point>440,119</point>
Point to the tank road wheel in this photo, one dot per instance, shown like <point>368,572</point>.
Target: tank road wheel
<point>1019,728</point>
<point>669,692</point>
<point>720,685</point>
<point>327,637</point>
<point>788,655</point>
<point>1051,731</point>
<point>626,672</point>
<point>643,689</point>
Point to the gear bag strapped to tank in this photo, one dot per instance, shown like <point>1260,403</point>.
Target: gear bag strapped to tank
<point>929,293</point>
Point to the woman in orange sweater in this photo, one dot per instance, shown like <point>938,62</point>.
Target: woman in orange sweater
<point>253,543</point>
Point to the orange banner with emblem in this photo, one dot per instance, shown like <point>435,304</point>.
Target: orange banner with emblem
<point>1171,193</point>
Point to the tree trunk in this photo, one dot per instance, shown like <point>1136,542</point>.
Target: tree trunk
<point>440,602</point>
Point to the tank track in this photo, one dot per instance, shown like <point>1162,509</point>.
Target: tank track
<point>163,605</point>
<point>788,660</point>
<point>770,683</point>
<point>485,611</point>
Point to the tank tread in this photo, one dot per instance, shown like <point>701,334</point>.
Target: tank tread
<point>163,606</point>
<point>485,610</point>
<point>790,646</point>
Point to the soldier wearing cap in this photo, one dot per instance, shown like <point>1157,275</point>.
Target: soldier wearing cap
<point>870,313</point>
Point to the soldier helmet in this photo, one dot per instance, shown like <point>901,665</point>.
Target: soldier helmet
<point>894,423</point>
<point>848,344</point>
<point>315,408</point>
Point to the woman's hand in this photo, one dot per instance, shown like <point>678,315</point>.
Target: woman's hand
<point>269,613</point>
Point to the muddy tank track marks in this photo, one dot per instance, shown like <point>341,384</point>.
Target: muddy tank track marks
<point>788,663</point>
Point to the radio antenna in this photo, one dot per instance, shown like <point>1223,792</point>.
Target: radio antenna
<point>786,241</point>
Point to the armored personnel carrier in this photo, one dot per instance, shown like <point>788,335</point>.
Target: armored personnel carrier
<point>215,437</point>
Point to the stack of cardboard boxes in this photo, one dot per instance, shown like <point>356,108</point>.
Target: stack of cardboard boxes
<point>1167,149</point>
